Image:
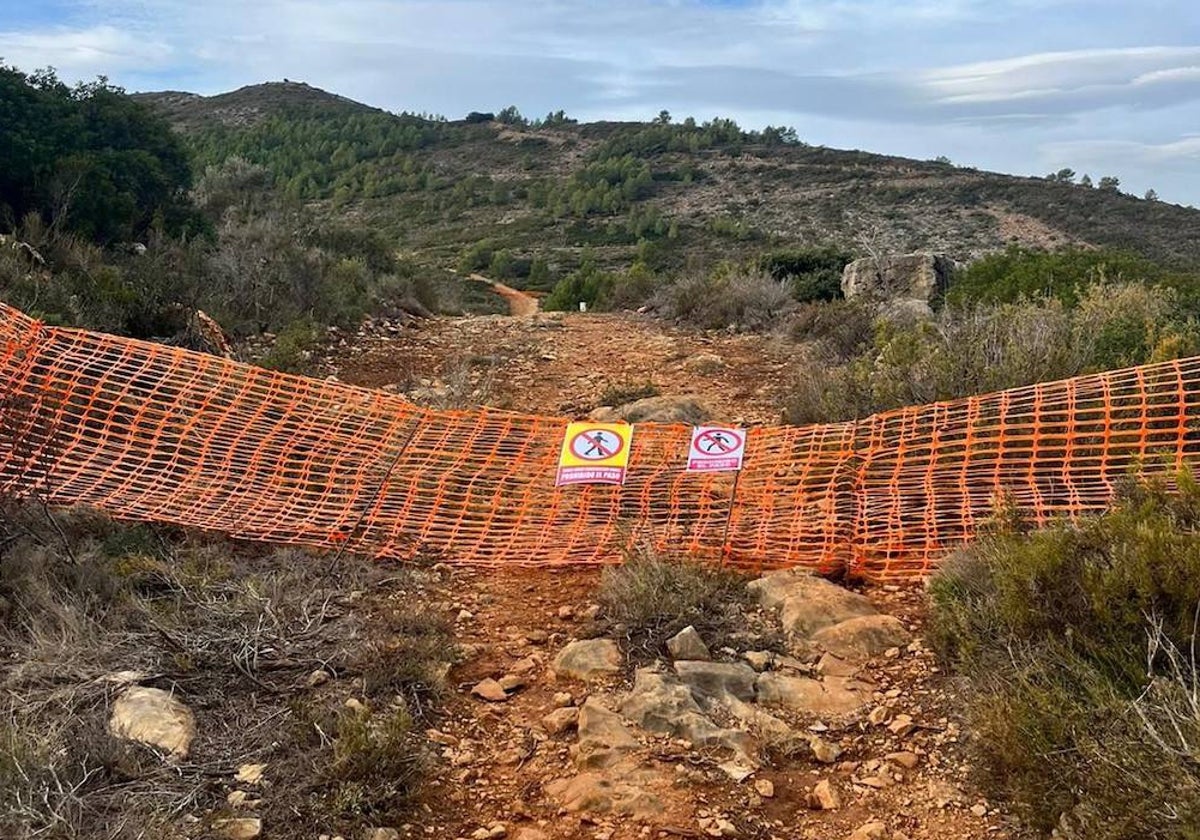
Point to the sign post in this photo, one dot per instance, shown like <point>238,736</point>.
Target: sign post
<point>594,453</point>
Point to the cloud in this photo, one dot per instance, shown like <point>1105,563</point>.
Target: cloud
<point>84,53</point>
<point>1011,77</point>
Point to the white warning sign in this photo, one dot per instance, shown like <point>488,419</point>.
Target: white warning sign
<point>716,449</point>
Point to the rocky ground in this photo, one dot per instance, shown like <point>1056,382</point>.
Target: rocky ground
<point>824,716</point>
<point>849,731</point>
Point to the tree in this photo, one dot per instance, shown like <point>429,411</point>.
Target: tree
<point>1065,175</point>
<point>1086,181</point>
<point>664,117</point>
<point>90,159</point>
<point>1109,183</point>
<point>511,116</point>
<point>1150,195</point>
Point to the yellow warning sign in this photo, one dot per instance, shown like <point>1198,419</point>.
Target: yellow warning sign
<point>594,453</point>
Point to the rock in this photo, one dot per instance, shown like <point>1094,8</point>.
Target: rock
<point>907,760</point>
<point>588,658</point>
<point>603,737</point>
<point>831,666</point>
<point>244,828</point>
<point>833,697</point>
<point>863,637</point>
<point>560,720</point>
<point>563,699</point>
<point>807,603</point>
<point>765,788</point>
<point>665,409</point>
<point>660,704</point>
<point>905,282</point>
<point>823,751</point>
<point>317,677</point>
<point>736,770</point>
<point>979,810</point>
<point>824,797</point>
<point>529,833</point>
<point>687,644</point>
<point>759,660</point>
<point>715,680</point>
<point>381,834</point>
<point>490,690</point>
<point>511,682</point>
<point>869,831</point>
<point>902,726</point>
<point>537,637</point>
<point>250,774</point>
<point>879,716</point>
<point>623,795</point>
<point>155,717</point>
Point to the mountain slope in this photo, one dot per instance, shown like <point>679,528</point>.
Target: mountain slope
<point>558,193</point>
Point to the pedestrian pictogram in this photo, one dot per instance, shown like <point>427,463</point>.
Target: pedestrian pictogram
<point>597,445</point>
<point>594,453</point>
<point>716,449</point>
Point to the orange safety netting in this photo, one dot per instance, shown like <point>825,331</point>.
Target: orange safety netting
<point>149,432</point>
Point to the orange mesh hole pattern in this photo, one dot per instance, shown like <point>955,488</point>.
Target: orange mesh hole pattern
<point>154,433</point>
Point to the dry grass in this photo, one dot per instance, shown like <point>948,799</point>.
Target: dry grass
<point>651,597</point>
<point>234,631</point>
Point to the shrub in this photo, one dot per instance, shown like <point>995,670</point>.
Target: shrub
<point>814,273</point>
<point>1077,645</point>
<point>980,348</point>
<point>729,297</point>
<point>651,597</point>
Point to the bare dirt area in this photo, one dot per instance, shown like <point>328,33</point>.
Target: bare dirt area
<point>555,363</point>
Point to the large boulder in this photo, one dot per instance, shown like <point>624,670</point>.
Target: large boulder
<point>717,680</point>
<point>588,659</point>
<point>856,639</point>
<point>807,603</point>
<point>831,697</point>
<point>154,717</point>
<point>659,703</point>
<point>904,285</point>
<point>687,410</point>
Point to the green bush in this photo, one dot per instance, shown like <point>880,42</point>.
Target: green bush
<point>814,273</point>
<point>980,348</point>
<point>1016,273</point>
<point>1077,645</point>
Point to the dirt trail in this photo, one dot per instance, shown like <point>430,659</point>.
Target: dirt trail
<point>520,304</point>
<point>498,765</point>
<point>570,363</point>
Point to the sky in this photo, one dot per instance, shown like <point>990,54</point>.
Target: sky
<point>1105,87</point>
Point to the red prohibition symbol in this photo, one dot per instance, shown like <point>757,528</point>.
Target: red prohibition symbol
<point>716,442</point>
<point>597,445</point>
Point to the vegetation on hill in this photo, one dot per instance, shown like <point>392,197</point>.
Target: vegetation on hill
<point>106,227</point>
<point>548,198</point>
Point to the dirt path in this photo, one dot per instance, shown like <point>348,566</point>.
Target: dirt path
<point>519,304</point>
<point>570,363</point>
<point>498,763</point>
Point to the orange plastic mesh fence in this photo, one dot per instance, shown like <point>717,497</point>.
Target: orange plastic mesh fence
<point>148,432</point>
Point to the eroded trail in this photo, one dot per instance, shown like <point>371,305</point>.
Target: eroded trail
<point>556,363</point>
<point>517,765</point>
<point>520,304</point>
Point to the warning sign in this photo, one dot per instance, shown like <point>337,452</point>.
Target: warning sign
<point>715,449</point>
<point>594,453</point>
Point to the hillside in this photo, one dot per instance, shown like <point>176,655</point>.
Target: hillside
<point>669,194</point>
